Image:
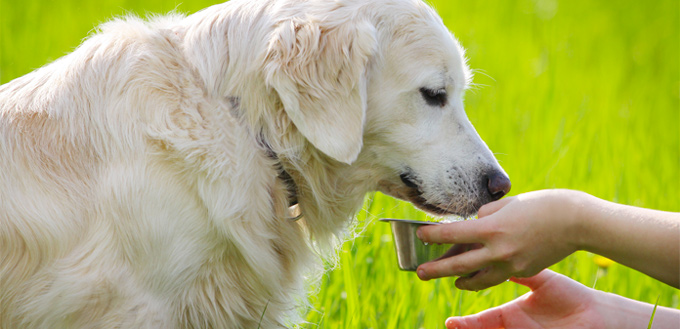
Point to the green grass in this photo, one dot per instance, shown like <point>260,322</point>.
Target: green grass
<point>572,94</point>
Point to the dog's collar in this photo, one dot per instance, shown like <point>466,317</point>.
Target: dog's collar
<point>293,212</point>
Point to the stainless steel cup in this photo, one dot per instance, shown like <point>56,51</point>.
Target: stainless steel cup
<point>411,251</point>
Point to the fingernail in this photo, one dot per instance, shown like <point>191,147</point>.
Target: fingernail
<point>450,322</point>
<point>420,236</point>
<point>421,274</point>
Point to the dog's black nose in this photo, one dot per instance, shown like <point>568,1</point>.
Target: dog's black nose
<point>498,184</point>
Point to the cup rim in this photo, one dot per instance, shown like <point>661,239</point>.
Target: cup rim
<point>409,221</point>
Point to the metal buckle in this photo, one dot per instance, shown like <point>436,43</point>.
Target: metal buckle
<point>294,212</point>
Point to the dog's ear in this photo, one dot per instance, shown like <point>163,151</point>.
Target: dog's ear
<point>319,74</point>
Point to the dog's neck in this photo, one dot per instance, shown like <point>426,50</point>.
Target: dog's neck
<point>294,212</point>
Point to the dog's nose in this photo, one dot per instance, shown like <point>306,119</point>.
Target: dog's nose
<point>498,184</point>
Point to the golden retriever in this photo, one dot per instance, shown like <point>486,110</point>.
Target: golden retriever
<point>146,178</point>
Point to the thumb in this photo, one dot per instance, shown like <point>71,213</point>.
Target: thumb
<point>489,319</point>
<point>492,207</point>
<point>536,281</point>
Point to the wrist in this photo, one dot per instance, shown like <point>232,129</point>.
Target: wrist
<point>621,313</point>
<point>578,217</point>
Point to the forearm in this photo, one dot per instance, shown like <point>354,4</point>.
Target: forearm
<point>622,313</point>
<point>643,239</point>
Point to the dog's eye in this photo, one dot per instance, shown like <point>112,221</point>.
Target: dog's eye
<point>434,97</point>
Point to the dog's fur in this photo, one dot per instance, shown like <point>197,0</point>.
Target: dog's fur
<point>139,174</point>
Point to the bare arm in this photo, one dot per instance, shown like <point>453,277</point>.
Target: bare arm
<point>522,235</point>
<point>643,239</point>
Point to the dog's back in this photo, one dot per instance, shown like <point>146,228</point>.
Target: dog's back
<point>65,131</point>
<point>106,172</point>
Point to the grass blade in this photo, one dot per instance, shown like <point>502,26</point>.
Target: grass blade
<point>653,312</point>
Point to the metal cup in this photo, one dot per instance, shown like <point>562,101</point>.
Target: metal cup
<point>411,251</point>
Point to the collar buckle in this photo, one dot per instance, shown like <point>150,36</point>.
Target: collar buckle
<point>294,212</point>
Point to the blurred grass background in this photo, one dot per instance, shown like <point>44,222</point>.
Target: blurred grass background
<point>580,94</point>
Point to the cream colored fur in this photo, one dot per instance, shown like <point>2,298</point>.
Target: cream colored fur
<point>135,187</point>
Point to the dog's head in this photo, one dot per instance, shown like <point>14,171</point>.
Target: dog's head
<point>379,86</point>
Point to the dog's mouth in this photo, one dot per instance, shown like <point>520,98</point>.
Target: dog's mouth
<point>409,189</point>
<point>415,196</point>
<point>422,203</point>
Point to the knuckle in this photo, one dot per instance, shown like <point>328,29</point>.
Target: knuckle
<point>517,268</point>
<point>446,234</point>
<point>463,269</point>
<point>454,269</point>
<point>506,255</point>
<point>489,229</point>
<point>528,271</point>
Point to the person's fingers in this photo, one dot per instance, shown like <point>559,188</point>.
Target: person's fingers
<point>455,250</point>
<point>488,277</point>
<point>458,249</point>
<point>492,207</point>
<point>469,231</point>
<point>537,280</point>
<point>489,319</point>
<point>462,264</point>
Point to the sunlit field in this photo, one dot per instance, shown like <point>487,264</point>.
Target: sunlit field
<point>578,94</point>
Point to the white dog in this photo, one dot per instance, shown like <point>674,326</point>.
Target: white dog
<point>146,177</point>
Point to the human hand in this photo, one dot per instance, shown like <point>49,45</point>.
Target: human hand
<point>555,301</point>
<point>515,237</point>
